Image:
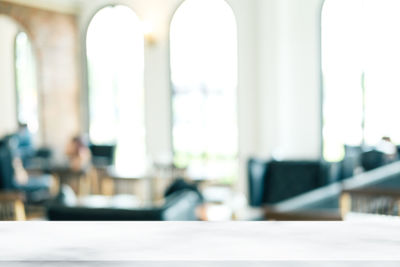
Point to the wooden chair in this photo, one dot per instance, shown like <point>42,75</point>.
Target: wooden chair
<point>100,182</point>
<point>12,206</point>
<point>77,180</point>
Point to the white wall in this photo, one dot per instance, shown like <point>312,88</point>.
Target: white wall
<point>247,91</point>
<point>279,98</point>
<point>8,109</point>
<point>289,78</point>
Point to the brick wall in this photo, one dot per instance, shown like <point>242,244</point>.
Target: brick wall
<point>54,37</point>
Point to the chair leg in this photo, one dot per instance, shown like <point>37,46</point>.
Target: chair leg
<point>345,204</point>
<point>107,186</point>
<point>19,211</point>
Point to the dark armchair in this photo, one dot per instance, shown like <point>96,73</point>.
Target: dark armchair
<point>274,181</point>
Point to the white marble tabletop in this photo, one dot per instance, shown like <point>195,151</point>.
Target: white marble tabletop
<point>200,243</point>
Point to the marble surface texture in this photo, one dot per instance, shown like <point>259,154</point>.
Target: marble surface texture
<point>200,243</point>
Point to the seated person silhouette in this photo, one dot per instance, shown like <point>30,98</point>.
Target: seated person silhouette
<point>25,147</point>
<point>387,147</point>
<point>13,176</point>
<point>78,154</point>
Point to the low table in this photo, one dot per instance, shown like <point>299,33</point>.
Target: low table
<point>200,243</point>
<point>131,183</point>
<point>116,201</point>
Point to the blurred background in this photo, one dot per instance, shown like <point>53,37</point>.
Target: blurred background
<point>199,110</point>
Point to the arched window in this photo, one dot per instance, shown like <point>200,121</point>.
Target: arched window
<point>361,65</point>
<point>203,43</point>
<point>115,59</point>
<point>26,83</point>
<point>18,79</point>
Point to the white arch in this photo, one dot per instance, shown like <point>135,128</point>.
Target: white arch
<point>115,60</point>
<point>203,56</point>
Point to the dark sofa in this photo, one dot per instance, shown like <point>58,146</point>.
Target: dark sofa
<point>178,206</point>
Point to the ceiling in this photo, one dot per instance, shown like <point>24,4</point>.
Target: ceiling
<point>65,6</point>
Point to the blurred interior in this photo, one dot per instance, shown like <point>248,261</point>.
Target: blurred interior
<point>211,110</point>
